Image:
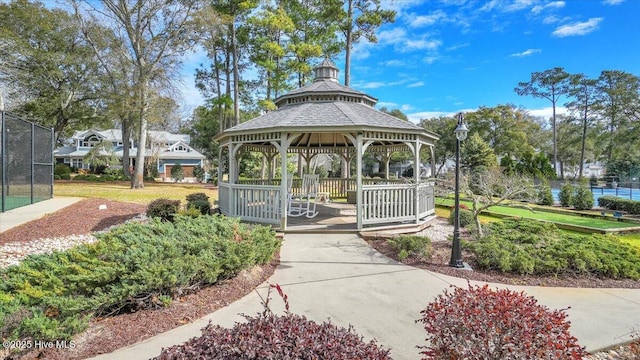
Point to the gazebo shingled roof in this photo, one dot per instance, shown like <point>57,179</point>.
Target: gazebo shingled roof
<point>326,106</point>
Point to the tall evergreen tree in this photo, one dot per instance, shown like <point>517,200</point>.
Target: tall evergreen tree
<point>551,85</point>
<point>362,19</point>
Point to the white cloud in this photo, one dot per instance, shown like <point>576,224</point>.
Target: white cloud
<point>372,85</point>
<point>416,84</point>
<point>396,63</point>
<point>421,44</point>
<point>547,112</point>
<point>431,59</point>
<point>527,52</point>
<point>552,5</point>
<point>577,29</point>
<point>386,104</point>
<point>392,36</point>
<point>426,20</point>
<point>507,5</point>
<point>613,2</point>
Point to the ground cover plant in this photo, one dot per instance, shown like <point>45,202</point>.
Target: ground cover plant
<point>480,323</point>
<point>271,336</point>
<point>134,266</point>
<point>411,245</point>
<point>530,247</point>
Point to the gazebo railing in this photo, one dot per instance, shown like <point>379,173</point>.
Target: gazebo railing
<point>336,187</point>
<point>260,203</point>
<point>395,202</point>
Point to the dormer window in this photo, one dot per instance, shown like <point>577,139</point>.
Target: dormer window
<point>90,141</point>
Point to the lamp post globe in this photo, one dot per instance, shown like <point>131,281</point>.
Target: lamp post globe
<point>456,252</point>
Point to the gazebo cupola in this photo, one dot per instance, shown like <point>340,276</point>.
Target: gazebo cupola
<point>325,117</point>
<point>326,71</point>
<point>325,88</point>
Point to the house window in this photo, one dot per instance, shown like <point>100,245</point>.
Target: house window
<point>90,141</point>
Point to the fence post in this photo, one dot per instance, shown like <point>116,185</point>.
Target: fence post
<point>3,151</point>
<point>33,159</point>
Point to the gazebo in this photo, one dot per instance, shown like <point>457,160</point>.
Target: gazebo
<point>326,117</point>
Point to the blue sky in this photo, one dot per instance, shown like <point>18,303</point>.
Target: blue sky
<point>452,55</point>
<point>445,56</point>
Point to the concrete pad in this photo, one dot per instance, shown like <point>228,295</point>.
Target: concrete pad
<point>23,214</point>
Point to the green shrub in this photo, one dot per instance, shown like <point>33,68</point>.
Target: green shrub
<point>531,247</point>
<point>411,245</point>
<point>566,195</point>
<point>582,197</point>
<point>198,173</point>
<point>163,208</point>
<point>61,169</point>
<point>199,201</point>
<point>619,204</point>
<point>131,267</point>
<point>177,173</point>
<point>466,217</point>
<point>203,206</point>
<point>480,323</point>
<point>65,176</point>
<point>545,196</point>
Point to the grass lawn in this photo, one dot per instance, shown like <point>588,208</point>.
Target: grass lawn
<point>549,216</point>
<point>121,191</point>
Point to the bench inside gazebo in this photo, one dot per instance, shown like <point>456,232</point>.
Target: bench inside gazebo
<point>325,118</point>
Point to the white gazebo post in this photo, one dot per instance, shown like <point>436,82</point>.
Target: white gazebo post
<point>416,177</point>
<point>359,207</point>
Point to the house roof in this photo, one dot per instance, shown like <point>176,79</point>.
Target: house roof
<point>115,135</point>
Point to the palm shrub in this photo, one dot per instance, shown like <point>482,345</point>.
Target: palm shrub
<point>480,323</point>
<point>566,195</point>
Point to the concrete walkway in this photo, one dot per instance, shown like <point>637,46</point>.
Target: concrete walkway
<point>340,277</point>
<point>23,214</point>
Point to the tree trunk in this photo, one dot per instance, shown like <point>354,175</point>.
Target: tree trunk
<point>137,180</point>
<point>555,136</point>
<point>584,139</point>
<point>126,143</point>
<point>347,55</point>
<point>236,76</point>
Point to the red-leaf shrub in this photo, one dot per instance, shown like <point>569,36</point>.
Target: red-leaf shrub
<point>269,336</point>
<point>480,323</point>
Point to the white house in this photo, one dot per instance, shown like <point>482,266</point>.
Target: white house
<point>163,148</point>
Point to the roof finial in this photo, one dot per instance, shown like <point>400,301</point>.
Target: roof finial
<point>326,71</point>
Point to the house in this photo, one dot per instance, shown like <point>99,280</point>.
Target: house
<point>164,149</point>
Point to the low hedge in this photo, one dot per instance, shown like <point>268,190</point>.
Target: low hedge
<point>134,266</point>
<point>531,247</point>
<point>619,204</point>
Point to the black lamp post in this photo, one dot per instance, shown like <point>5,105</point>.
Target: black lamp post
<point>456,253</point>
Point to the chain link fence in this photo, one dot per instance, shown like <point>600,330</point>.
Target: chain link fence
<point>26,160</point>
